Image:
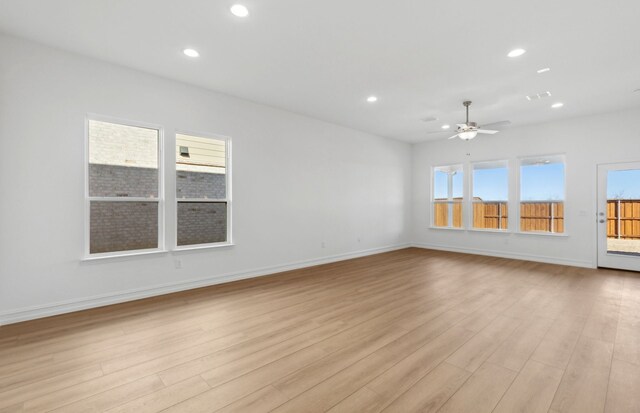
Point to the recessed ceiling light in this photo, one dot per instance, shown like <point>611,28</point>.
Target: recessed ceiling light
<point>239,10</point>
<point>557,105</point>
<point>372,99</point>
<point>446,126</point>
<point>191,52</point>
<point>516,52</point>
<point>544,70</point>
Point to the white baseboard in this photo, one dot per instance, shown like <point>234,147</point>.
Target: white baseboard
<point>47,310</point>
<point>503,254</point>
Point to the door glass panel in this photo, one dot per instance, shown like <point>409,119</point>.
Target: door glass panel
<point>623,212</point>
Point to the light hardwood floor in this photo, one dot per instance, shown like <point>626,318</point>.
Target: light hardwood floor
<point>410,330</point>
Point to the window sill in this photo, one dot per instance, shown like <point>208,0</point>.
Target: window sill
<point>203,246</point>
<point>107,256</point>
<point>492,231</point>
<point>448,228</point>
<point>544,234</point>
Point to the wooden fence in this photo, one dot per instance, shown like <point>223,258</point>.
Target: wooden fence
<point>542,216</point>
<point>441,215</point>
<point>490,215</point>
<point>534,215</point>
<point>623,218</point>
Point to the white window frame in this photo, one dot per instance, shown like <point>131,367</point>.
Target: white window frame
<point>472,201</point>
<point>228,192</point>
<point>432,225</point>
<point>87,199</point>
<point>519,199</point>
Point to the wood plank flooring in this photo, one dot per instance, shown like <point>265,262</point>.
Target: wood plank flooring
<point>408,331</point>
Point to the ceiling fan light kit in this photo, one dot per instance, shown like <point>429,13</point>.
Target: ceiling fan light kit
<point>469,130</point>
<point>468,135</point>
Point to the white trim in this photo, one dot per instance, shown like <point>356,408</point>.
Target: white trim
<point>491,230</point>
<point>87,256</point>
<point>543,233</point>
<point>122,254</point>
<point>604,258</point>
<point>203,246</point>
<point>519,190</point>
<point>471,200</point>
<point>509,255</point>
<point>449,201</point>
<point>203,200</point>
<point>228,184</point>
<point>122,199</point>
<point>30,313</point>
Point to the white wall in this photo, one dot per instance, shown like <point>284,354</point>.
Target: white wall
<point>297,182</point>
<point>586,142</point>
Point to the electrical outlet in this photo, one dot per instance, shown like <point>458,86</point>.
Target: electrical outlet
<point>178,263</point>
<point>322,245</point>
<point>358,239</point>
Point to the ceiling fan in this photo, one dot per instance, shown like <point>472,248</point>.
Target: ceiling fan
<point>469,130</point>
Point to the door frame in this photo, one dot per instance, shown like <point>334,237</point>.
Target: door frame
<point>603,258</point>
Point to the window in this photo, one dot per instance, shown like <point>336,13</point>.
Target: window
<point>542,194</point>
<point>123,193</point>
<point>447,196</point>
<point>490,195</point>
<point>202,190</point>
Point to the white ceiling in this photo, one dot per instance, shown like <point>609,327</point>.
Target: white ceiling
<point>323,58</point>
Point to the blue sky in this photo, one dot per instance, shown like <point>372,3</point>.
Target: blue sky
<point>440,185</point>
<point>491,184</point>
<point>623,184</point>
<point>538,183</point>
<point>542,182</point>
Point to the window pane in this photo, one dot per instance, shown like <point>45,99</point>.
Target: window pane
<point>542,216</point>
<point>490,215</point>
<point>123,160</point>
<point>457,213</point>
<point>202,222</point>
<point>440,191</point>
<point>542,194</point>
<point>490,181</point>
<point>123,226</point>
<point>441,214</point>
<point>443,210</point>
<point>457,185</point>
<point>441,177</point>
<point>490,194</point>
<point>447,196</point>
<point>542,180</point>
<point>201,167</point>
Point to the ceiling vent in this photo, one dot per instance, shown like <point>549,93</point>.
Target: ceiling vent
<point>538,96</point>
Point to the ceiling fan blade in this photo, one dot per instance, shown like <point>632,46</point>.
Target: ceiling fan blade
<point>437,131</point>
<point>497,124</point>
<point>487,131</point>
<point>461,125</point>
<point>454,136</point>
